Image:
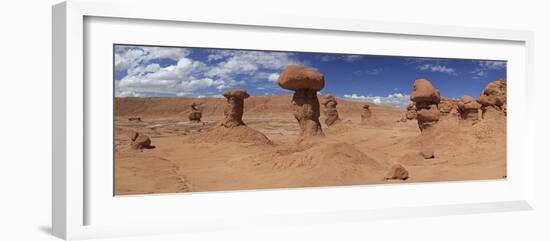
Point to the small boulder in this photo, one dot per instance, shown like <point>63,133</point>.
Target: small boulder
<point>397,172</point>
<point>140,141</point>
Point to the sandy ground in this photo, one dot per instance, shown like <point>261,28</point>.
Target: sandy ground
<point>351,153</point>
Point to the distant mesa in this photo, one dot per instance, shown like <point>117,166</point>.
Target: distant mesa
<point>305,82</point>
<point>331,113</point>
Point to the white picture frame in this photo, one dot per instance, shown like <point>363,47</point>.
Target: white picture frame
<point>72,191</point>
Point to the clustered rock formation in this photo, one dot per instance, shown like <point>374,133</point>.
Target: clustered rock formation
<point>305,82</point>
<point>139,141</point>
<point>196,114</point>
<point>331,113</point>
<point>446,107</point>
<point>493,98</point>
<point>234,108</point>
<point>468,108</point>
<point>425,98</point>
<point>366,113</point>
<point>411,111</point>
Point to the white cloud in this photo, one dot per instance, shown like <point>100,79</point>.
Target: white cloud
<point>248,62</point>
<point>438,68</point>
<point>127,57</point>
<point>273,77</point>
<point>128,94</point>
<point>395,100</point>
<point>484,66</point>
<point>188,76</point>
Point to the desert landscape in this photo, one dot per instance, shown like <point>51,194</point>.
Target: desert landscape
<point>302,139</point>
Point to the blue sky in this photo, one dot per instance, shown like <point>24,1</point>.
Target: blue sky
<point>201,72</point>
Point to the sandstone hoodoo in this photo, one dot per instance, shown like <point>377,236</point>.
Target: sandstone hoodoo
<point>493,98</point>
<point>232,128</point>
<point>468,108</point>
<point>397,172</point>
<point>331,114</point>
<point>234,108</point>
<point>196,114</point>
<point>140,141</point>
<point>366,113</point>
<point>426,98</point>
<point>305,82</point>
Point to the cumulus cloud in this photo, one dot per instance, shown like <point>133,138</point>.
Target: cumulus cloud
<point>248,62</point>
<point>395,100</point>
<point>222,69</point>
<point>438,68</point>
<point>127,57</point>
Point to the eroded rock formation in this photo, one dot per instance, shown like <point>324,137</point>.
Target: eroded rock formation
<point>305,82</point>
<point>234,109</point>
<point>426,98</point>
<point>196,114</point>
<point>493,98</point>
<point>139,141</point>
<point>468,108</point>
<point>366,113</point>
<point>331,114</point>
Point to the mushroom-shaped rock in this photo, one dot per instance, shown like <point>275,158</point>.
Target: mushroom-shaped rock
<point>331,113</point>
<point>397,172</point>
<point>139,141</point>
<point>425,98</point>
<point>234,109</point>
<point>366,113</point>
<point>305,82</point>
<point>427,115</point>
<point>196,114</point>
<point>468,108</point>
<point>493,97</point>
<point>423,91</point>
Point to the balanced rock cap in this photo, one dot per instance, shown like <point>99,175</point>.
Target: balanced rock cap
<point>423,91</point>
<point>237,93</point>
<point>468,102</point>
<point>299,77</point>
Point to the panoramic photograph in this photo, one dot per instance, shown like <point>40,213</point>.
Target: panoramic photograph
<point>190,119</point>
